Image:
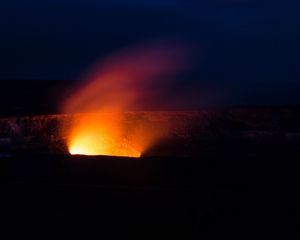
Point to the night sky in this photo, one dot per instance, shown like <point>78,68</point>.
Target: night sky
<point>249,48</point>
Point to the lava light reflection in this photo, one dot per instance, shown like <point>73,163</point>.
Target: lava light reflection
<point>90,146</point>
<point>99,134</point>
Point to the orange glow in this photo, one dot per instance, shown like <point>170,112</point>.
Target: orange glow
<point>124,82</point>
<point>99,134</point>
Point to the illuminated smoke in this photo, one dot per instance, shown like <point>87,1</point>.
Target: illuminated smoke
<point>129,80</point>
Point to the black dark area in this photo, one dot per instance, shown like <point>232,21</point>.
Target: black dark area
<point>187,197</point>
<point>32,97</point>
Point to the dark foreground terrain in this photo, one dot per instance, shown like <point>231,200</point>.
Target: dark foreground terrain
<point>186,197</point>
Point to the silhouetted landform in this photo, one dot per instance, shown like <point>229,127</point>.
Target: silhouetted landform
<point>44,97</point>
<point>32,97</point>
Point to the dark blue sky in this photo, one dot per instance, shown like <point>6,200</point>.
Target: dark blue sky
<point>249,49</point>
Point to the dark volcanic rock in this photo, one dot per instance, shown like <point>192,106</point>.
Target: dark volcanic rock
<point>194,132</point>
